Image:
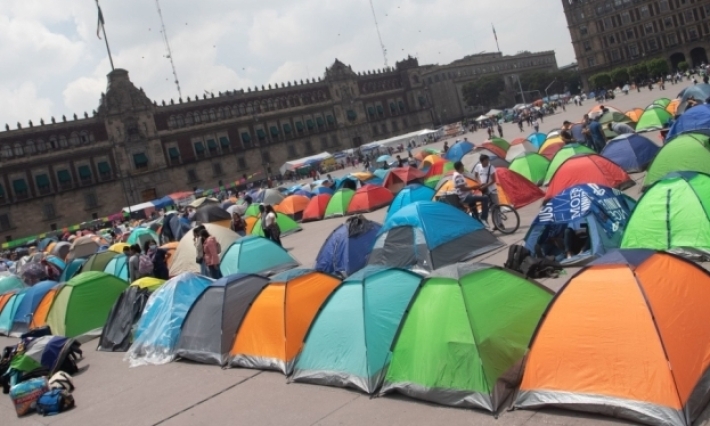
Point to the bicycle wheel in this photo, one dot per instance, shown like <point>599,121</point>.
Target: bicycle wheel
<point>505,218</point>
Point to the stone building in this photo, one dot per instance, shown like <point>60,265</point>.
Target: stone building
<point>607,34</point>
<point>133,149</point>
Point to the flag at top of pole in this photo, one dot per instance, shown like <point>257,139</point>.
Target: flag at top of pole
<point>494,36</point>
<point>101,29</point>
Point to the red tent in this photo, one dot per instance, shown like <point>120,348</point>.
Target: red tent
<point>399,177</point>
<point>315,210</point>
<point>437,169</point>
<point>369,198</point>
<point>550,151</point>
<point>588,168</point>
<point>515,190</point>
<point>495,149</point>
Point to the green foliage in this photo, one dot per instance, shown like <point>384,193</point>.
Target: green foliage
<point>683,66</point>
<point>484,91</point>
<point>602,79</point>
<point>639,71</point>
<point>559,81</point>
<point>619,76</point>
<point>657,67</point>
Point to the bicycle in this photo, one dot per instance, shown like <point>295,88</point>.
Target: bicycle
<point>505,218</point>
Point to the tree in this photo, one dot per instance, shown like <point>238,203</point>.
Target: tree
<point>683,66</point>
<point>619,76</point>
<point>484,91</point>
<point>638,72</point>
<point>603,79</point>
<point>657,67</point>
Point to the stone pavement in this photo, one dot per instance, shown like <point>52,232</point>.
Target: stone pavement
<point>184,393</point>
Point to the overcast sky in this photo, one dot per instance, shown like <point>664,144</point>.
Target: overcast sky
<point>53,63</point>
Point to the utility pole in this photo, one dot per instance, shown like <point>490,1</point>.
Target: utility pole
<point>101,27</point>
<point>167,47</point>
<point>379,36</point>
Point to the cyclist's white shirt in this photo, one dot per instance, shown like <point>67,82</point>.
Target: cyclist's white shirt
<point>485,174</point>
<point>459,180</point>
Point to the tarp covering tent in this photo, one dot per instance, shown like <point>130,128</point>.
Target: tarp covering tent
<point>293,206</point>
<point>653,118</point>
<point>399,177</point>
<point>255,255</point>
<point>463,340</point>
<point>118,267</point>
<point>158,330</point>
<point>410,194</point>
<point>346,249</point>
<point>673,215</point>
<point>515,190</point>
<point>603,211</point>
<point>421,236</point>
<point>369,198</point>
<point>10,282</point>
<point>694,120</point>
<point>349,341</point>
<point>83,303</point>
<point>183,260</point>
<point>209,329</point>
<point>287,226</point>
<point>7,314</point>
<point>142,235</point>
<point>272,332</point>
<point>316,208</point>
<point>531,166</point>
<point>632,152</point>
<point>339,202</point>
<point>688,153</point>
<point>212,213</point>
<point>625,337</point>
<point>117,333</point>
<point>28,305</point>
<point>39,317</point>
<point>98,261</point>
<point>590,168</point>
<point>562,155</point>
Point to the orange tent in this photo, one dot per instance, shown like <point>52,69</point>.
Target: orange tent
<point>627,336</point>
<point>590,168</point>
<point>250,221</point>
<point>495,149</point>
<point>293,206</point>
<point>273,331</point>
<point>5,297</point>
<point>39,318</point>
<point>399,177</point>
<point>672,107</point>
<point>634,114</point>
<point>515,190</point>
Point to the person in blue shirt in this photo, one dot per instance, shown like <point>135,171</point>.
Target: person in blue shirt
<point>598,138</point>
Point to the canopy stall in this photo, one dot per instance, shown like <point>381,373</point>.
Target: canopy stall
<point>419,136</point>
<point>293,165</point>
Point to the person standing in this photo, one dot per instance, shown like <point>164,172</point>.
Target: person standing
<point>211,250</point>
<point>272,225</point>
<point>264,227</point>
<point>134,262</point>
<point>500,130</point>
<point>598,137</point>
<point>485,174</point>
<point>466,196</point>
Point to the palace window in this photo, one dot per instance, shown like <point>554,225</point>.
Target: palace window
<point>43,185</point>
<point>19,186</point>
<point>140,160</point>
<point>18,149</point>
<point>30,147</point>
<point>104,170</point>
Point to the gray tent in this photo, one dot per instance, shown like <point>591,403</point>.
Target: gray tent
<point>211,325</point>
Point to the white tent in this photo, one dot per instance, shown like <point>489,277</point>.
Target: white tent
<point>482,118</point>
<point>185,253</point>
<point>139,207</point>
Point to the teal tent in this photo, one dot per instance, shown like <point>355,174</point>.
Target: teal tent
<point>10,282</point>
<point>255,255</point>
<point>7,315</point>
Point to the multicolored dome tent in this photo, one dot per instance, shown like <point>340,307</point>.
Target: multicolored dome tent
<point>653,118</point>
<point>531,166</point>
<point>566,152</point>
<point>26,309</point>
<point>463,340</point>
<point>339,202</point>
<point>625,337</point>
<point>684,153</point>
<point>590,168</point>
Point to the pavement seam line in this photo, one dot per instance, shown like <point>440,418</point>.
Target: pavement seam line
<point>335,409</point>
<point>186,409</point>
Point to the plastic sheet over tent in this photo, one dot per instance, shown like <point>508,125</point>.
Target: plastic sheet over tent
<point>349,341</point>
<point>272,332</point>
<point>10,282</point>
<point>689,153</point>
<point>463,340</point>
<point>183,260</point>
<point>369,198</point>
<point>28,305</point>
<point>695,120</point>
<point>410,194</point>
<point>158,329</point>
<point>632,152</point>
<point>255,255</point>
<point>562,155</point>
<point>210,327</point>
<point>421,236</point>
<point>346,249</point>
<point>591,168</point>
<point>625,337</point>
<point>125,313</point>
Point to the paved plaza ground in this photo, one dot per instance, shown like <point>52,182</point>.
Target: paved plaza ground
<point>184,393</point>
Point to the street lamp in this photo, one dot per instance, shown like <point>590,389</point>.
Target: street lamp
<point>548,86</point>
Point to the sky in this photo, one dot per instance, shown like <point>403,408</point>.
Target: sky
<point>53,63</point>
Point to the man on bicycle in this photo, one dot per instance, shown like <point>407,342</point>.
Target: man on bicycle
<point>485,174</point>
<point>466,196</point>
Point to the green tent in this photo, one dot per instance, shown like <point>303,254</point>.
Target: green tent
<point>252,211</point>
<point>99,261</point>
<point>339,202</point>
<point>614,117</point>
<point>532,166</point>
<point>654,118</point>
<point>10,282</point>
<point>662,102</point>
<point>567,151</point>
<point>432,181</point>
<point>83,303</point>
<point>673,215</point>
<point>501,143</point>
<point>688,152</point>
<point>463,341</point>
<point>286,225</point>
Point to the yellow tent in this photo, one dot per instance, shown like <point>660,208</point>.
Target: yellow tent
<point>118,247</point>
<point>150,283</point>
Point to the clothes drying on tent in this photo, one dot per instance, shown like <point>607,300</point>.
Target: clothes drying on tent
<point>287,226</point>
<point>464,338</point>
<point>273,330</point>
<point>531,166</point>
<point>688,153</point>
<point>338,203</point>
<point>255,255</point>
<point>410,194</point>
<point>316,208</point>
<point>561,156</point>
<point>400,177</point>
<point>369,198</point>
<point>589,168</point>
<point>632,152</point>
<point>293,206</point>
<point>349,341</point>
<point>158,329</point>
<point>212,213</point>
<point>82,305</point>
<point>429,235</point>
<point>346,249</point>
<point>28,305</point>
<point>7,314</point>
<point>125,313</point>
<point>183,260</point>
<point>587,220</point>
<point>673,215</point>
<point>515,190</point>
<point>625,337</point>
<point>694,120</point>
<point>209,329</point>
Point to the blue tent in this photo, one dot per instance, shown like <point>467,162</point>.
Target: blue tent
<point>411,193</point>
<point>345,250</point>
<point>118,267</point>
<point>537,139</point>
<point>255,255</point>
<point>158,330</point>
<point>695,120</point>
<point>380,173</point>
<point>458,150</point>
<point>27,306</point>
<point>72,268</point>
<point>322,190</point>
<point>7,314</point>
<point>429,235</point>
<point>162,203</point>
<point>632,152</point>
<point>349,341</point>
<point>603,211</point>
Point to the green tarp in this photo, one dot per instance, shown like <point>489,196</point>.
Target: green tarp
<point>688,152</point>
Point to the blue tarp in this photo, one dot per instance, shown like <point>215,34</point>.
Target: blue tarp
<point>694,120</point>
<point>410,194</point>
<point>632,152</point>
<point>458,150</point>
<point>162,203</point>
<point>343,254</point>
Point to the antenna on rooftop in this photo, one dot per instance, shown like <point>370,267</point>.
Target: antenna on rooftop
<point>379,36</point>
<point>167,47</point>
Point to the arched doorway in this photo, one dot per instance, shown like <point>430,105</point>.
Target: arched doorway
<point>698,56</point>
<point>676,58</point>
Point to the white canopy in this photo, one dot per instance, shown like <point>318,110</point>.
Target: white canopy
<point>493,112</point>
<point>418,136</point>
<point>482,118</point>
<point>139,207</point>
<point>295,164</point>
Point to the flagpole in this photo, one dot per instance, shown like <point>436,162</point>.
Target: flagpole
<point>494,35</point>
<point>103,29</point>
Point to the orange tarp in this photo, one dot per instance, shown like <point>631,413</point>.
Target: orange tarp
<point>39,318</point>
<point>278,320</point>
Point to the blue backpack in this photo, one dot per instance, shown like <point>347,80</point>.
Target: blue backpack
<point>54,402</point>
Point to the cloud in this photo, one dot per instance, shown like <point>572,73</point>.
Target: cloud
<point>22,103</point>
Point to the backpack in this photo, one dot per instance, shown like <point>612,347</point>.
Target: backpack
<point>61,380</point>
<point>145,265</point>
<point>54,402</point>
<point>516,255</point>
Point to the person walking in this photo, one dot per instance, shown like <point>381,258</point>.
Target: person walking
<point>264,228</point>
<point>272,225</point>
<point>211,251</point>
<point>500,130</point>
